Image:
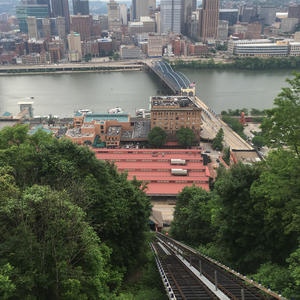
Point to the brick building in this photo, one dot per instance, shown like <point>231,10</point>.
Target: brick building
<point>109,129</point>
<point>82,25</point>
<point>174,112</point>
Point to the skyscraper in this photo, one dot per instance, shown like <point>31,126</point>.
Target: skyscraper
<point>294,11</point>
<point>123,13</point>
<point>114,21</point>
<point>60,8</point>
<point>32,28</point>
<point>81,7</point>
<point>171,16</point>
<point>208,20</point>
<point>26,9</point>
<point>82,25</point>
<point>142,8</point>
<point>188,7</point>
<point>74,44</point>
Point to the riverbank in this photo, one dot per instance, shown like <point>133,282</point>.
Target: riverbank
<point>242,63</point>
<point>69,68</point>
<point>69,72</point>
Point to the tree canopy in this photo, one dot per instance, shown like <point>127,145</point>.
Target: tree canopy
<point>217,143</point>
<point>185,137</point>
<point>157,137</point>
<point>253,211</point>
<point>282,125</point>
<point>72,226</point>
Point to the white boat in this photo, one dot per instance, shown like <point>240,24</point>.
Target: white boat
<point>85,111</point>
<point>116,110</point>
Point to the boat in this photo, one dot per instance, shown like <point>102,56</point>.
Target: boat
<point>116,110</point>
<point>84,111</point>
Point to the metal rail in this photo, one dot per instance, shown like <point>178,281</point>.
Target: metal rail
<point>183,283</point>
<point>231,283</point>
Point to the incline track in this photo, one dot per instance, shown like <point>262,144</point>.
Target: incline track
<point>230,284</point>
<point>184,283</point>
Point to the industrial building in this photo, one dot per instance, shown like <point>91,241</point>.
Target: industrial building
<point>156,169</point>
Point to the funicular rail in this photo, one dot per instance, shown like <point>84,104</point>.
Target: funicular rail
<point>183,283</point>
<point>229,283</point>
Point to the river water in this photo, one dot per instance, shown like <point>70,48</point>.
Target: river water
<point>62,94</point>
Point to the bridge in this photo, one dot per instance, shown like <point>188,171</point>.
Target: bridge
<point>174,80</point>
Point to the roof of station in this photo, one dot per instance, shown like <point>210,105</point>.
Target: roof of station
<point>105,117</point>
<point>154,168</point>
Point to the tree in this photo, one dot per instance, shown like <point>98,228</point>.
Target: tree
<point>217,143</point>
<point>278,187</point>
<point>88,57</point>
<point>192,216</point>
<point>115,56</point>
<point>185,137</point>
<point>7,287</point>
<point>157,137</point>
<point>282,124</point>
<point>240,217</point>
<point>226,155</point>
<point>118,209</point>
<point>49,246</point>
<point>258,141</point>
<point>235,125</point>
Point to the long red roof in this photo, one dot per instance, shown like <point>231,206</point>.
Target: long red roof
<point>154,167</point>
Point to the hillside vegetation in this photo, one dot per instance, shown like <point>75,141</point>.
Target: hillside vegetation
<point>71,226</point>
<point>251,219</point>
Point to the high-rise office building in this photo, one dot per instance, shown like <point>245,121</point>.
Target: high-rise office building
<point>294,11</point>
<point>26,9</point>
<point>123,13</point>
<point>81,7</point>
<point>268,14</point>
<point>230,15</point>
<point>114,21</point>
<point>171,16</point>
<point>45,2</point>
<point>248,14</point>
<point>82,25</point>
<point>157,21</point>
<point>74,44</point>
<point>60,23</point>
<point>60,8</point>
<point>223,30</point>
<point>208,19</point>
<point>142,8</point>
<point>32,28</point>
<point>188,7</point>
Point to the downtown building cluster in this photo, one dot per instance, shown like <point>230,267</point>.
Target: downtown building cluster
<point>45,32</point>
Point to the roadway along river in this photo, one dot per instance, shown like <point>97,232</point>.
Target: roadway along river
<point>62,94</point>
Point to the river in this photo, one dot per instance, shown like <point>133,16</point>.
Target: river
<point>62,94</point>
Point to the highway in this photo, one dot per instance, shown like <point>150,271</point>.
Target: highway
<point>212,124</point>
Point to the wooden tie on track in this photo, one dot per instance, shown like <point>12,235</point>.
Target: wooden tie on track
<point>232,286</point>
<point>185,284</point>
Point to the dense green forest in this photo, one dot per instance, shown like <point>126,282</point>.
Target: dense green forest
<point>71,226</point>
<point>251,218</point>
<point>243,63</point>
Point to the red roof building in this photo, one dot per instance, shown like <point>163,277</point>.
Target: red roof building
<point>156,168</point>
